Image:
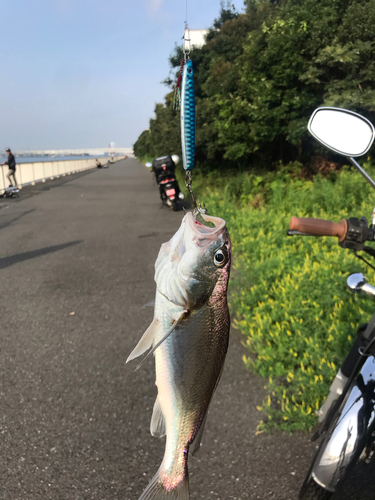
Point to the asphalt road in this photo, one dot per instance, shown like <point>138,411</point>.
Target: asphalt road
<point>77,259</point>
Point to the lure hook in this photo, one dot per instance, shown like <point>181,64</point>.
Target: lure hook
<point>177,90</point>
<point>199,208</point>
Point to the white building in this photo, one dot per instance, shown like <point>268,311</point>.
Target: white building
<point>197,39</point>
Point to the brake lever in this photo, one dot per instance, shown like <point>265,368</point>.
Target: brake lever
<point>365,249</point>
<point>369,251</point>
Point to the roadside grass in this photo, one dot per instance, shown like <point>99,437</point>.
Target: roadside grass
<point>288,294</point>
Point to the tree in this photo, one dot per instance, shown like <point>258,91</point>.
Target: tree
<point>261,74</point>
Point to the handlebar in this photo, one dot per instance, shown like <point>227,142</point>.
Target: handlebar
<point>319,227</point>
<point>352,233</point>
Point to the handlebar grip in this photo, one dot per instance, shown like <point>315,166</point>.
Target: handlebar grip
<point>319,227</point>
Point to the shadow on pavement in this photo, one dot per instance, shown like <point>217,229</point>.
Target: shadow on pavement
<point>29,190</point>
<point>17,217</point>
<point>20,257</point>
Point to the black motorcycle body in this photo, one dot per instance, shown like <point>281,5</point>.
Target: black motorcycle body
<point>350,433</point>
<point>169,191</point>
<point>164,170</point>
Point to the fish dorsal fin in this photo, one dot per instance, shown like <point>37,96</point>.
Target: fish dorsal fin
<point>173,327</point>
<point>157,427</point>
<point>145,342</point>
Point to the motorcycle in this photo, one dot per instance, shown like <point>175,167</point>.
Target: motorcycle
<point>347,417</point>
<point>164,170</point>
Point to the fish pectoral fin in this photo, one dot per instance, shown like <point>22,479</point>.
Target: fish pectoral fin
<point>196,444</point>
<point>173,327</point>
<point>157,427</point>
<point>150,304</point>
<point>145,342</point>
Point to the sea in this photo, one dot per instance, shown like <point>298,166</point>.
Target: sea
<point>30,159</point>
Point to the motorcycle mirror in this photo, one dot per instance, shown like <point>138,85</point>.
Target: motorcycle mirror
<point>148,165</point>
<point>342,131</point>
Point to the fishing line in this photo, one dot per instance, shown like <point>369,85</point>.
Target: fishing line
<point>186,38</point>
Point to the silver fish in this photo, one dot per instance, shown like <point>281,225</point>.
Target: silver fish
<point>189,335</point>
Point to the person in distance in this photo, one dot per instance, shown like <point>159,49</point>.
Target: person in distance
<point>12,168</point>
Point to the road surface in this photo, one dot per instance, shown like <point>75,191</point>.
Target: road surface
<point>77,260</point>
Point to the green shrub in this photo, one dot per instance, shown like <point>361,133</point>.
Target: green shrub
<point>288,294</point>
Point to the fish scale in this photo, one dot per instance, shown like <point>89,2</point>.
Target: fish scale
<point>188,116</point>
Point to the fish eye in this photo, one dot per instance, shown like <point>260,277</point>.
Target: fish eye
<point>219,258</point>
<point>190,70</point>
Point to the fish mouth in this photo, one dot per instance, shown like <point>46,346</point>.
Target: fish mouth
<point>201,232</point>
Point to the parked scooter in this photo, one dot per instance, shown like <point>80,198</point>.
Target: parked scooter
<point>347,418</point>
<point>164,170</point>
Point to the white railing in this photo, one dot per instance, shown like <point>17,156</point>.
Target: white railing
<point>40,171</point>
<point>66,152</point>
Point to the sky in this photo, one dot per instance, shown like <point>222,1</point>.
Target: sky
<point>84,73</point>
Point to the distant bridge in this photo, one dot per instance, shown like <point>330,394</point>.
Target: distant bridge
<point>76,152</point>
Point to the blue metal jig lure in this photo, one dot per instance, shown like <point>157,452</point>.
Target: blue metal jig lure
<point>188,116</point>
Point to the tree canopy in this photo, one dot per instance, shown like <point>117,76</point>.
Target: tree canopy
<point>262,73</point>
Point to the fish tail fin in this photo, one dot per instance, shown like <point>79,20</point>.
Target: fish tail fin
<point>163,488</point>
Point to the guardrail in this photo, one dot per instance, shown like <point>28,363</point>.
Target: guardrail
<point>33,172</point>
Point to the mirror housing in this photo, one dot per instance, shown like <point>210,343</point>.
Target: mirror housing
<point>342,131</point>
